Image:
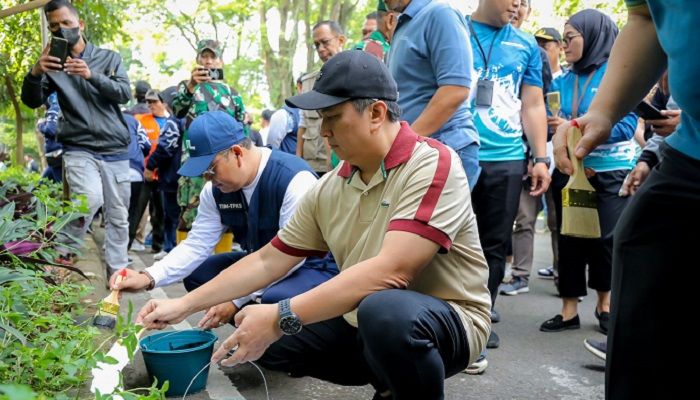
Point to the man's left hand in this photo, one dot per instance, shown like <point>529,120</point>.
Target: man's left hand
<point>149,175</point>
<point>77,66</point>
<point>257,329</point>
<point>540,179</point>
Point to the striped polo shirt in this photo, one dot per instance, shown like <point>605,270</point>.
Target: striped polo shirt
<point>421,188</point>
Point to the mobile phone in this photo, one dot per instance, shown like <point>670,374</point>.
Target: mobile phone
<point>59,48</point>
<point>216,74</point>
<point>554,102</point>
<point>648,112</point>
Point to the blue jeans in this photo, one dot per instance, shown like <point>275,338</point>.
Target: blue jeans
<point>470,161</point>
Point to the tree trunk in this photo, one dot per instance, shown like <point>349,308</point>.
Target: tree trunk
<point>278,67</point>
<point>308,39</point>
<point>19,147</point>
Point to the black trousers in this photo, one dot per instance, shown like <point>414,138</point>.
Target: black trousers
<point>171,215</point>
<point>149,195</point>
<point>134,219</point>
<point>576,253</point>
<point>651,339</point>
<point>406,342</point>
<point>495,198</point>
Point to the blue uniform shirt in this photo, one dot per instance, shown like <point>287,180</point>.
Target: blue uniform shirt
<point>619,151</point>
<point>430,48</point>
<point>676,21</point>
<point>515,61</point>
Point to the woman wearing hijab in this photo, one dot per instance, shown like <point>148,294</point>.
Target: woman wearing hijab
<point>588,39</point>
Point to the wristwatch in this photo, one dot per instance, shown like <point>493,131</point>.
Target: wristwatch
<point>546,160</point>
<point>289,323</point>
<point>151,281</point>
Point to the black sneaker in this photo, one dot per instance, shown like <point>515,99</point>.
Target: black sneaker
<point>494,341</point>
<point>599,349</point>
<point>495,316</point>
<point>557,324</point>
<point>603,320</point>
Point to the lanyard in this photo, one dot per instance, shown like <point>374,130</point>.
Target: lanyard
<point>576,100</point>
<point>486,58</point>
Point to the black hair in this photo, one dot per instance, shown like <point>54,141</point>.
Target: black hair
<point>54,5</point>
<point>332,25</point>
<point>393,111</point>
<point>373,15</point>
<point>267,114</point>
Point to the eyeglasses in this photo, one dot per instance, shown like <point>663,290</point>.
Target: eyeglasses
<point>567,40</point>
<point>209,174</point>
<point>323,42</point>
<point>152,101</point>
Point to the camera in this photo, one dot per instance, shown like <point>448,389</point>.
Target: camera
<point>216,74</point>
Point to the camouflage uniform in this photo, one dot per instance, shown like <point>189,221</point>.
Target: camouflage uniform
<point>207,96</point>
<point>376,44</point>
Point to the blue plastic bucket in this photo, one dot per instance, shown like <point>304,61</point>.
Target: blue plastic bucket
<point>177,357</point>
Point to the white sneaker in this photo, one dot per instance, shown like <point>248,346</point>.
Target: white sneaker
<point>137,246</point>
<point>478,367</point>
<point>160,256</point>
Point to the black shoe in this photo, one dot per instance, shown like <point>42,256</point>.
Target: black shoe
<point>599,349</point>
<point>494,341</point>
<point>557,324</point>
<point>495,316</point>
<point>603,320</point>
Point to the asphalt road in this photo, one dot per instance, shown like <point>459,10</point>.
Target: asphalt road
<point>528,365</point>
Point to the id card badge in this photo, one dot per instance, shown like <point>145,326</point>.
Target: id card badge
<point>484,93</point>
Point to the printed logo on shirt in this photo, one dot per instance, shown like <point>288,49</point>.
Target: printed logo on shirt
<point>188,145</point>
<point>231,206</point>
<point>513,44</point>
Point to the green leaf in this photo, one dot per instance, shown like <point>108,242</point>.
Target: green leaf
<point>14,332</point>
<point>18,392</point>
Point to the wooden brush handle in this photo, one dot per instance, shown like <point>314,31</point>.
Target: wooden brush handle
<point>114,296</point>
<point>578,175</point>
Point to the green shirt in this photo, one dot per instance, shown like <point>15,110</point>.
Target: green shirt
<point>375,44</point>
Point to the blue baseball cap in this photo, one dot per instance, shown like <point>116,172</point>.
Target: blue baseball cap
<point>209,134</point>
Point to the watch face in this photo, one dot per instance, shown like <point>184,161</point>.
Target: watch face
<point>290,325</point>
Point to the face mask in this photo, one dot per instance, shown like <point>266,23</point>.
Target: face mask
<point>72,35</point>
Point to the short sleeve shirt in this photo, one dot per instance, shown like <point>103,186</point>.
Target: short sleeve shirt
<point>421,188</point>
<point>430,48</point>
<point>515,61</point>
<point>674,19</point>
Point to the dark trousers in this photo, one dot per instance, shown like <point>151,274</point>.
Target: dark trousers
<point>652,312</point>
<point>54,174</point>
<point>303,279</point>
<point>149,195</point>
<point>171,213</point>
<point>134,215</point>
<point>406,342</point>
<point>495,200</point>
<point>576,253</point>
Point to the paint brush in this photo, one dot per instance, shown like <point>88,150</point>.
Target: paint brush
<point>579,200</point>
<point>106,316</point>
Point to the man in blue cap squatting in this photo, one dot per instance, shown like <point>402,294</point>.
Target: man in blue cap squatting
<point>251,190</point>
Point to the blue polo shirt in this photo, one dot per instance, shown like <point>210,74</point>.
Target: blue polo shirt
<point>619,151</point>
<point>515,61</point>
<point>675,21</point>
<point>430,48</point>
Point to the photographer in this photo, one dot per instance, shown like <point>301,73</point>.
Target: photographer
<point>205,91</point>
<point>90,86</point>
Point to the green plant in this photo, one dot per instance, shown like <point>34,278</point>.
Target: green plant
<point>32,217</point>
